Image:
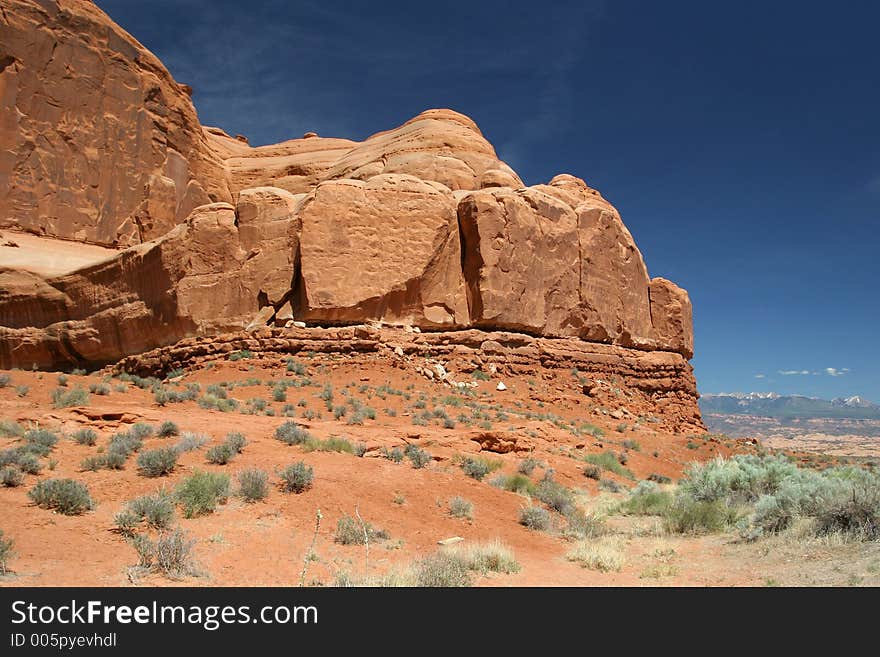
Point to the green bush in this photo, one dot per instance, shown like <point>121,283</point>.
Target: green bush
<point>517,483</point>
<point>592,472</point>
<point>156,510</point>
<point>141,430</point>
<point>632,444</point>
<point>478,467</point>
<point>77,396</point>
<point>220,454</point>
<point>5,380</point>
<point>291,433</point>
<point>85,437</point>
<point>100,389</point>
<point>157,462</point>
<point>167,429</point>
<point>535,517</point>
<point>65,496</point>
<point>331,444</point>
<point>554,495</point>
<point>28,463</point>
<point>40,441</point>
<point>687,515</point>
<point>10,429</point>
<point>527,466</point>
<point>22,391</point>
<point>201,492</point>
<point>296,367</point>
<point>297,477</point>
<point>6,553</point>
<point>647,499</point>
<point>395,455</point>
<point>253,485</point>
<point>11,476</point>
<point>609,461</point>
<point>459,507</point>
<point>580,524</point>
<point>417,456</point>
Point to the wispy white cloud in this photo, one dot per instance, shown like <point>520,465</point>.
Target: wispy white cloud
<point>830,371</point>
<point>760,376</point>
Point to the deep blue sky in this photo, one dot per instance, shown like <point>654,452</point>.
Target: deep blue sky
<point>740,140</point>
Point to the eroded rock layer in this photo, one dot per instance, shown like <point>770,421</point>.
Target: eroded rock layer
<point>658,386</point>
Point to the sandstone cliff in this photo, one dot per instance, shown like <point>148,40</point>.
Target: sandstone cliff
<point>419,226</point>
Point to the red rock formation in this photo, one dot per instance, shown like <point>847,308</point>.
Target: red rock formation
<point>99,143</point>
<point>420,225</point>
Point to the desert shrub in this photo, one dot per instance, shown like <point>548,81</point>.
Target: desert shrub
<point>686,515</point>
<point>350,531</point>
<point>418,457</point>
<point>22,390</point>
<point>580,524</point>
<point>609,485</point>
<point>40,441</point>
<point>517,483</point>
<point>10,429</point>
<point>85,437</point>
<point>554,495</point>
<point>28,463</point>
<point>190,442</point>
<point>201,492</point>
<point>5,380</point>
<point>167,429</point>
<point>291,433</point>
<point>62,380</point>
<point>535,517</point>
<point>609,461</point>
<point>477,467</point>
<point>480,375</point>
<point>156,510</point>
<point>492,557</point>
<point>356,418</point>
<point>125,443</point>
<point>296,367</point>
<point>77,396</point>
<point>659,478</point>
<point>141,430</point>
<point>360,449</point>
<point>100,389</point>
<point>244,354</point>
<point>592,471</point>
<point>157,462</point>
<point>236,441</point>
<point>744,478</point>
<point>442,569</point>
<point>6,552</point>
<point>65,496</point>
<point>253,485</point>
<point>331,444</point>
<point>604,555</point>
<point>395,455</point>
<point>646,499</point>
<point>11,476</point>
<point>459,507</point>
<point>169,555</point>
<point>629,443</point>
<point>220,454</point>
<point>297,477</point>
<point>279,394</point>
<point>527,465</point>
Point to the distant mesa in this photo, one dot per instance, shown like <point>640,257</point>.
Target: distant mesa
<point>198,232</point>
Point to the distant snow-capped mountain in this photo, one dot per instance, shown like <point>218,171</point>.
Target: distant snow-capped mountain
<point>771,404</point>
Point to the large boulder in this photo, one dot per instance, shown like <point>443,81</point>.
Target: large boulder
<point>384,249</point>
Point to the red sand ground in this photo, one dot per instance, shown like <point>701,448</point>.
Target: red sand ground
<point>265,543</point>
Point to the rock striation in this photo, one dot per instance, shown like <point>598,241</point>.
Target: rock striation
<point>420,226</point>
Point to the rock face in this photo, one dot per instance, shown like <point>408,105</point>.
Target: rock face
<point>421,226</point>
<point>98,143</point>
